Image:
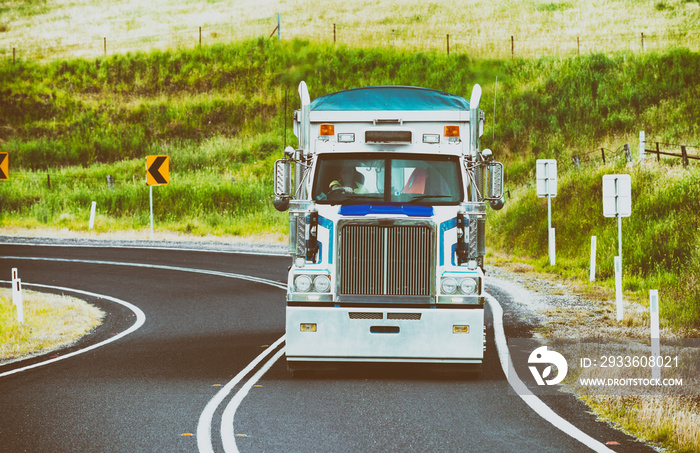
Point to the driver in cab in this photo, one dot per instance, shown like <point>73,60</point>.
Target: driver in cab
<point>349,181</point>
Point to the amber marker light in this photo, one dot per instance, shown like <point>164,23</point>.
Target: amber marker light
<point>460,329</point>
<point>308,327</point>
<point>451,131</point>
<point>327,130</point>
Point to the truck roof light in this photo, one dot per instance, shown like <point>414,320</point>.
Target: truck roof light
<point>451,131</point>
<point>431,138</point>
<point>346,137</point>
<point>327,130</point>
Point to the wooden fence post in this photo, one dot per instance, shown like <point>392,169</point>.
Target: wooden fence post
<point>684,154</point>
<point>628,153</point>
<point>642,41</point>
<point>200,36</point>
<point>105,41</point>
<point>333,33</point>
<point>448,44</point>
<point>602,152</point>
<point>658,153</point>
<point>578,46</point>
<point>13,55</point>
<point>512,47</point>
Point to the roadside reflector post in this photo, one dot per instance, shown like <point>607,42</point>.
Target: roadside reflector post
<point>618,287</point>
<point>17,299</point>
<point>593,250</point>
<point>655,333</point>
<point>552,243</point>
<point>92,214</point>
<point>546,174</point>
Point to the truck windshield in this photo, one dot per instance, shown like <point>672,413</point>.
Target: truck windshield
<point>358,178</point>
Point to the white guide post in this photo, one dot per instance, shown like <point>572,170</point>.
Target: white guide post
<point>593,250</point>
<point>655,333</point>
<point>17,299</point>
<point>92,214</point>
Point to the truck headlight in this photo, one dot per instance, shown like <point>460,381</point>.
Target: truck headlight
<point>322,283</point>
<point>302,283</point>
<point>468,286</point>
<point>448,285</point>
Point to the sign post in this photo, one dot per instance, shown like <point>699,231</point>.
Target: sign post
<point>157,174</point>
<point>617,202</point>
<point>547,187</point>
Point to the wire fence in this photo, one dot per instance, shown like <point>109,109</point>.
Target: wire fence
<point>506,45</point>
<point>686,153</point>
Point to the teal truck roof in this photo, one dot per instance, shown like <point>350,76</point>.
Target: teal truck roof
<point>389,98</point>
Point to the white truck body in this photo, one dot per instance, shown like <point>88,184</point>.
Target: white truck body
<point>387,195</point>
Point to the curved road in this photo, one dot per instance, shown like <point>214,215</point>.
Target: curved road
<point>190,371</point>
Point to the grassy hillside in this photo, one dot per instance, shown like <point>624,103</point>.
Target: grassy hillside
<point>218,112</point>
<point>48,29</point>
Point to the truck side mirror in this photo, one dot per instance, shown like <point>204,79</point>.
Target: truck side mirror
<point>495,180</point>
<point>283,171</point>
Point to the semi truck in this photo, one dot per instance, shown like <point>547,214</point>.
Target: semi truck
<point>387,194</point>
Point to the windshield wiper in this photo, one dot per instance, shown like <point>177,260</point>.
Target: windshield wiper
<point>423,197</point>
<point>355,197</point>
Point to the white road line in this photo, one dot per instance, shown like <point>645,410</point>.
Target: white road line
<point>227,435</point>
<point>204,426</point>
<point>140,319</point>
<point>531,400</point>
<point>264,281</point>
<point>178,248</point>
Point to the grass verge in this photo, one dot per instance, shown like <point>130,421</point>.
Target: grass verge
<point>50,322</point>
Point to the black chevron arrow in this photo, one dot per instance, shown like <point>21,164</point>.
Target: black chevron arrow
<point>155,166</point>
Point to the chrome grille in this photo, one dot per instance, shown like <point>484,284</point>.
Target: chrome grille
<point>386,260</point>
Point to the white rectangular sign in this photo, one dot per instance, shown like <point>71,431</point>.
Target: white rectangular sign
<point>617,195</point>
<point>546,178</point>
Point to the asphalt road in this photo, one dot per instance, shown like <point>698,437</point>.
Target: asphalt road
<point>150,390</point>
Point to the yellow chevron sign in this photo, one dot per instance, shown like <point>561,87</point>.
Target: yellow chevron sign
<point>157,170</point>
